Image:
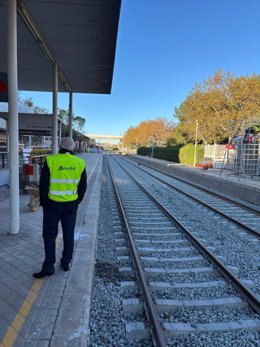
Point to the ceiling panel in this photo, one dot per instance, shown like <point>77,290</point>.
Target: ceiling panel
<point>81,36</point>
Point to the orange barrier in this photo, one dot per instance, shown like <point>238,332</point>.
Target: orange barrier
<point>205,165</point>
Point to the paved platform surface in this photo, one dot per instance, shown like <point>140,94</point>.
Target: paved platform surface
<point>53,311</point>
<point>240,188</point>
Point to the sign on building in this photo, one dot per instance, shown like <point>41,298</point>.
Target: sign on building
<point>3,87</point>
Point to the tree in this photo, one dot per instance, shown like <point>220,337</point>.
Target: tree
<point>131,137</point>
<point>220,105</point>
<point>177,137</point>
<point>63,115</point>
<point>78,122</point>
<point>29,103</point>
<point>148,132</point>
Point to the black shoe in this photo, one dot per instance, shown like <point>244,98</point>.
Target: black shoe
<point>65,267</point>
<point>43,273</point>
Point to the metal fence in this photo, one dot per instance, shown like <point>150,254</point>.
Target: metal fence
<point>23,159</point>
<point>243,160</point>
<point>241,156</point>
<point>5,160</point>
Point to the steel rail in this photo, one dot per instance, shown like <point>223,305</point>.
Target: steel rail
<point>230,218</point>
<point>157,332</point>
<point>249,296</point>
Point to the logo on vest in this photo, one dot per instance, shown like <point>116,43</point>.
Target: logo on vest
<point>61,168</point>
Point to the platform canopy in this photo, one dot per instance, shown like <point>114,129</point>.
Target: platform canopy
<point>79,34</point>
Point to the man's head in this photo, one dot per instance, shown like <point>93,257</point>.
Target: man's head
<point>67,143</point>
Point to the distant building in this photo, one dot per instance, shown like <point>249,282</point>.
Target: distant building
<point>21,107</point>
<point>4,108</point>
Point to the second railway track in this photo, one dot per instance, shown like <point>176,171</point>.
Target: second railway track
<point>242,214</point>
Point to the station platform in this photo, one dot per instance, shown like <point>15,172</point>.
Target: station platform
<point>53,311</point>
<point>225,182</point>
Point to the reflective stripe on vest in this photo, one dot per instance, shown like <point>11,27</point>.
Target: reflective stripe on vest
<point>57,180</point>
<point>63,192</point>
<point>65,173</point>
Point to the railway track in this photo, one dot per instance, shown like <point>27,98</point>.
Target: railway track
<point>188,290</point>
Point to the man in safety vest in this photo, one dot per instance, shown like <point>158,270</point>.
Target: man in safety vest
<point>63,184</point>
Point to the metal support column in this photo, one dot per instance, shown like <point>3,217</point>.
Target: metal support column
<point>55,108</point>
<point>13,115</point>
<point>196,143</point>
<point>60,136</point>
<point>70,114</point>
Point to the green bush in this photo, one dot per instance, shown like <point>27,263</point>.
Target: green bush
<point>166,153</point>
<point>186,154</point>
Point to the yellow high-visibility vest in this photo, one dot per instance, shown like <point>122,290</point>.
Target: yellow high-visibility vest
<point>65,173</point>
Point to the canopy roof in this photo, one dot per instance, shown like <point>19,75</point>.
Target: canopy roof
<point>80,35</point>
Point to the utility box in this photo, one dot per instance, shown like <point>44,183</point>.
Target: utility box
<point>31,173</point>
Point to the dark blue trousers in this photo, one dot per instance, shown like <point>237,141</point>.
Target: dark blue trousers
<point>53,213</point>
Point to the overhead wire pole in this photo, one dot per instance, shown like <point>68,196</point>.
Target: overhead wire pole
<point>13,115</point>
<point>70,113</point>
<point>54,108</point>
<point>196,140</point>
<point>60,131</point>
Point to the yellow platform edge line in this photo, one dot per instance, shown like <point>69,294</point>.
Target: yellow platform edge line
<point>15,327</point>
<point>19,319</point>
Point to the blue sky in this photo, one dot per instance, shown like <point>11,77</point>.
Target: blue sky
<point>164,47</point>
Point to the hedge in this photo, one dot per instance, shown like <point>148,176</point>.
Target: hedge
<point>166,153</point>
<point>183,154</point>
<point>144,151</point>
